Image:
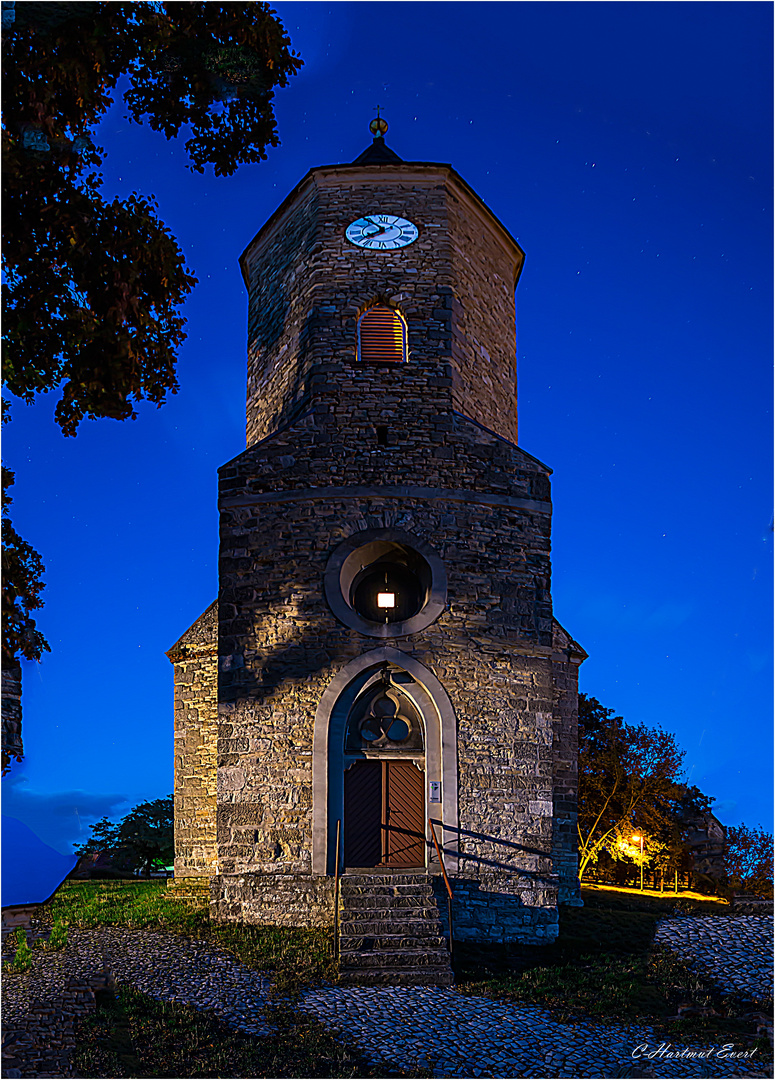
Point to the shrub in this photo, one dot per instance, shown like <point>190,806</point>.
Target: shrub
<point>22,960</point>
<point>57,939</point>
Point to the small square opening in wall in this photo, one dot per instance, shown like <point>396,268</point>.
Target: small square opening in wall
<point>382,433</point>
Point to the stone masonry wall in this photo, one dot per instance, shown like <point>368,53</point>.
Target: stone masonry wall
<point>447,458</point>
<point>487,910</point>
<point>280,305</point>
<point>567,657</point>
<point>295,900</point>
<point>308,285</point>
<point>195,662</point>
<point>484,329</point>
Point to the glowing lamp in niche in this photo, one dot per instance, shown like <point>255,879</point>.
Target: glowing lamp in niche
<point>387,591</point>
<point>385,583</point>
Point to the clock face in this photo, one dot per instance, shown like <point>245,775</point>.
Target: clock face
<point>381,232</point>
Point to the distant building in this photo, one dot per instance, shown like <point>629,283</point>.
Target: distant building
<point>383,648</point>
<point>706,840</point>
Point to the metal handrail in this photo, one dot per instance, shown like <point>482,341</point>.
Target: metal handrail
<point>446,882</point>
<point>336,893</point>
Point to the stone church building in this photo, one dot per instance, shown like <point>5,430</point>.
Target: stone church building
<point>383,652</point>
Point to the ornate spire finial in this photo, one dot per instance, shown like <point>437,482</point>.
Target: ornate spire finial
<point>378,125</point>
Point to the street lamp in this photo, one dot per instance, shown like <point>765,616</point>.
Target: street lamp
<point>635,840</point>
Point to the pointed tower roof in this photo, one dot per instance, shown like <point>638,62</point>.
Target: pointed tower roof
<point>378,153</point>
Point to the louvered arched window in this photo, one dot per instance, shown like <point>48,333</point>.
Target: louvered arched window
<point>382,335</point>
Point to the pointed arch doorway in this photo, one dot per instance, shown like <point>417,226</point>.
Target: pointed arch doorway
<point>384,778</point>
<point>342,742</point>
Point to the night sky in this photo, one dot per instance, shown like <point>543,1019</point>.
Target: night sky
<point>628,148</point>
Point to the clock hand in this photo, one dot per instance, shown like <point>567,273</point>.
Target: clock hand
<point>383,228</point>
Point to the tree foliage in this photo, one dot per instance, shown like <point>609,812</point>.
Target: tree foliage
<point>104,837</point>
<point>748,859</point>
<point>629,781</point>
<point>142,840</point>
<point>94,287</point>
<point>22,586</point>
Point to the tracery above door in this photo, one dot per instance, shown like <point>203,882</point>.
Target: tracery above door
<point>383,720</point>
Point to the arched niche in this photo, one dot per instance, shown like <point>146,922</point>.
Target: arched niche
<point>328,754</point>
<point>394,551</point>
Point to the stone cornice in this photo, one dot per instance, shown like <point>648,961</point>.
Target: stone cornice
<point>190,652</point>
<point>391,491</point>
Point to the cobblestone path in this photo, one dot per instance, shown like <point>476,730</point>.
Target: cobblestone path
<point>735,951</point>
<point>453,1035</point>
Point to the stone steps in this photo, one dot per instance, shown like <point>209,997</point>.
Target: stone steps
<point>415,929</point>
<point>392,880</point>
<point>390,977</point>
<point>393,903</point>
<point>398,889</point>
<point>394,958</point>
<point>390,932</point>
<point>390,942</point>
<point>402,909</point>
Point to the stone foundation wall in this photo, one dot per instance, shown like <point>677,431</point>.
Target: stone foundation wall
<point>494,909</point>
<point>499,909</point>
<point>488,910</point>
<point>295,900</point>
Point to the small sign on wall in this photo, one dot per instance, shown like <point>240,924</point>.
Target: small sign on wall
<point>435,795</point>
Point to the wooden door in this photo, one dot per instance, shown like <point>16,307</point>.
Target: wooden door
<point>403,800</point>
<point>363,814</point>
<point>384,815</point>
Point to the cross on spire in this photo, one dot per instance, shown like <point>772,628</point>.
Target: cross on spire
<point>378,125</point>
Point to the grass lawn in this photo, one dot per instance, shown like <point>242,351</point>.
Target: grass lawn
<point>297,957</point>
<point>666,896</point>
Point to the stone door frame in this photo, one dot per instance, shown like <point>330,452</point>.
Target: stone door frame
<point>440,738</point>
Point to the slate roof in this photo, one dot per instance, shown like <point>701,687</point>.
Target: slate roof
<point>379,153</point>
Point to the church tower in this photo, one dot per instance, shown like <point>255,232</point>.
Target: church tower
<point>383,652</point>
